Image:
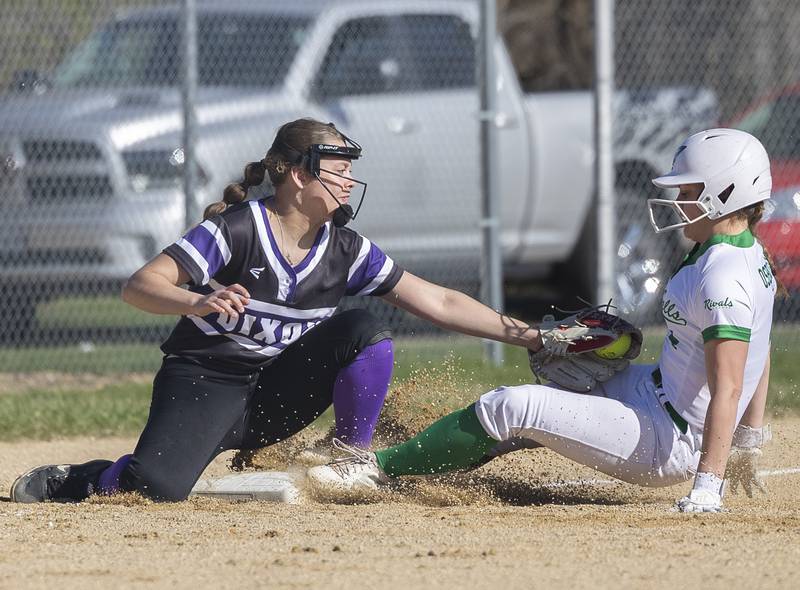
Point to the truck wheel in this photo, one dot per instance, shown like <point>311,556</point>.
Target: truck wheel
<point>644,260</point>
<point>576,278</point>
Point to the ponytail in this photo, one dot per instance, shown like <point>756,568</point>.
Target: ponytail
<point>254,174</point>
<point>753,214</point>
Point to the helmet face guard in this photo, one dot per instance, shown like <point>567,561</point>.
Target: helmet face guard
<point>674,207</point>
<point>311,161</point>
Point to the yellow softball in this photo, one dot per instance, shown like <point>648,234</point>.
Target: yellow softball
<point>616,349</point>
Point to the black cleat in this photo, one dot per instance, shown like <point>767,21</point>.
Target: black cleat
<point>58,483</point>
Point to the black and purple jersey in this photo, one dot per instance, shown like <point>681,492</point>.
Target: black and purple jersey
<point>285,301</point>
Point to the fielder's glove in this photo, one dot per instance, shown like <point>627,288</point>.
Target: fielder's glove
<point>567,358</point>
<point>742,468</point>
<point>700,501</point>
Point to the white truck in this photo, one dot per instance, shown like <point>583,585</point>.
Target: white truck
<point>91,159</point>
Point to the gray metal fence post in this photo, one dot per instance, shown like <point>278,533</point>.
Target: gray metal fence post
<point>189,93</point>
<point>603,139</point>
<point>491,260</point>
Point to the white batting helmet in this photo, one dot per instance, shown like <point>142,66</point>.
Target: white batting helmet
<point>732,165</point>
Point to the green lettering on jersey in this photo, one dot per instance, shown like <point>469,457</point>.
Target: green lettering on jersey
<point>765,272</point>
<point>672,340</point>
<point>672,314</point>
<point>711,305</point>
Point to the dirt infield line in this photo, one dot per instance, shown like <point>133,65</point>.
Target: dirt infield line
<point>784,471</point>
<point>607,482</point>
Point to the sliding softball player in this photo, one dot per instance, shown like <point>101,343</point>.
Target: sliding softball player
<point>647,425</point>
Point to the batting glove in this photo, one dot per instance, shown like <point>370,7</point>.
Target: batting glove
<point>743,461</point>
<point>700,501</point>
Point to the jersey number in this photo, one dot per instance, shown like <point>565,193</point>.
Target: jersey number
<point>765,272</point>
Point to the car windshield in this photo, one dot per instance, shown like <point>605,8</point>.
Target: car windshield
<point>777,125</point>
<point>233,50</point>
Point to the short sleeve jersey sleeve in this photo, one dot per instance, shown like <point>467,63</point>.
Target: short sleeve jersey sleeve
<point>372,272</point>
<point>204,250</point>
<point>724,307</point>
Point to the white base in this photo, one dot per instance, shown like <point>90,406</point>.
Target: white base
<point>269,486</point>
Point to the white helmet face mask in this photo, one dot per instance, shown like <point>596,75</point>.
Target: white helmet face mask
<point>733,168</point>
<point>677,214</point>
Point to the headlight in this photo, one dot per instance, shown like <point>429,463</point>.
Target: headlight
<point>157,169</point>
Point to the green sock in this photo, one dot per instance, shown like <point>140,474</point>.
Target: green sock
<point>457,441</point>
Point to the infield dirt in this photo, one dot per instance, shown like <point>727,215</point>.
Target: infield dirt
<point>502,526</point>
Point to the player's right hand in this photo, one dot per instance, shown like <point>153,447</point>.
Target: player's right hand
<point>700,501</point>
<point>230,301</point>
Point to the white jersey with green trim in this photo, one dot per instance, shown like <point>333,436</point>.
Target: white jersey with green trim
<point>723,289</point>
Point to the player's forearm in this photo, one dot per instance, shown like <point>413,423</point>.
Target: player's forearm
<point>706,493</point>
<point>458,312</point>
<point>153,293</point>
<point>718,430</point>
<point>461,313</point>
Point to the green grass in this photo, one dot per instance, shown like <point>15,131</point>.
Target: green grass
<point>85,358</point>
<point>784,380</point>
<point>96,312</point>
<point>121,409</point>
<point>115,410</point>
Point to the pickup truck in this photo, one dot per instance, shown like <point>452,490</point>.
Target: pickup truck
<point>91,157</point>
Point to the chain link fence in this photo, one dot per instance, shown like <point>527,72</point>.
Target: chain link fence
<point>90,141</point>
<point>737,61</point>
<point>90,137</point>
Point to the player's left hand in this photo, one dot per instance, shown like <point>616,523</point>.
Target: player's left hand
<point>742,470</point>
<point>700,501</point>
<point>744,459</point>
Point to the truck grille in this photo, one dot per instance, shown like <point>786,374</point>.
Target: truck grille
<point>54,189</point>
<point>41,151</point>
<point>64,171</point>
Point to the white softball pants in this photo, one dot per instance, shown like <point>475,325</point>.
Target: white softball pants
<point>619,428</point>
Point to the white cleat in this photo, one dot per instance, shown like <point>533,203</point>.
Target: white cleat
<point>356,471</point>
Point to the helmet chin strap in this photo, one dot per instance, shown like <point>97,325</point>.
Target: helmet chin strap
<point>344,212</point>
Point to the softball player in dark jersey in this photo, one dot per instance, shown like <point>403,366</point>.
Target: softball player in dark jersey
<point>258,353</point>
